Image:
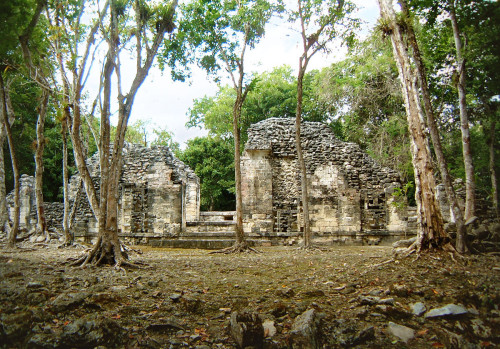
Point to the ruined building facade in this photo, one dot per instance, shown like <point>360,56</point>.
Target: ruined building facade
<point>350,195</point>
<point>158,194</point>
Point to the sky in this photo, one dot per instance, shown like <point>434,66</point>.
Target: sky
<point>165,104</point>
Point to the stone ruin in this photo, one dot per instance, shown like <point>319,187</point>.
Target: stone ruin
<point>350,194</point>
<point>158,194</point>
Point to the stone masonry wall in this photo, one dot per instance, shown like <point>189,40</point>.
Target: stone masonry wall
<point>349,192</point>
<point>158,193</point>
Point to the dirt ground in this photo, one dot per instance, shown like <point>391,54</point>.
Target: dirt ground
<point>184,298</point>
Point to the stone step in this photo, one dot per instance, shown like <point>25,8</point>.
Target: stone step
<point>206,244</point>
<point>210,223</point>
<point>207,234</point>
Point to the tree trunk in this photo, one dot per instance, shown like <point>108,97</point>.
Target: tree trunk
<point>493,173</point>
<point>68,237</point>
<point>40,145</point>
<point>4,215</point>
<point>300,155</point>
<point>5,121</point>
<point>461,245</point>
<point>240,236</point>
<point>430,224</point>
<point>470,183</point>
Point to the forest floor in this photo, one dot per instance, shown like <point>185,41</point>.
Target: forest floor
<point>184,298</point>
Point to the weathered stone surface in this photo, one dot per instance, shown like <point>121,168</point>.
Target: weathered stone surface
<point>91,331</point>
<point>349,191</point>
<point>14,326</point>
<point>304,333</point>
<point>158,194</point>
<point>246,329</point>
<point>402,332</point>
<point>447,310</point>
<point>68,300</point>
<point>418,308</point>
<point>269,328</point>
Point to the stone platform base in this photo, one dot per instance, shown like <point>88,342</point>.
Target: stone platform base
<point>217,240</point>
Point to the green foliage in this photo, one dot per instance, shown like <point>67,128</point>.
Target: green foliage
<point>364,104</point>
<point>327,20</point>
<point>479,22</point>
<point>212,33</point>
<point>212,160</point>
<point>165,137</point>
<point>400,195</point>
<point>14,16</point>
<point>273,94</point>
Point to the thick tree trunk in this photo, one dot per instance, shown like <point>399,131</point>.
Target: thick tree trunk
<point>430,224</point>
<point>300,156</point>
<point>40,145</point>
<point>493,173</point>
<point>5,121</point>
<point>470,183</point>
<point>461,244</point>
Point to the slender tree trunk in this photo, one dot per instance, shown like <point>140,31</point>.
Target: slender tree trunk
<point>5,120</point>
<point>4,215</point>
<point>300,155</point>
<point>461,244</point>
<point>68,237</point>
<point>40,145</point>
<point>493,173</point>
<point>430,224</point>
<point>470,183</point>
<point>240,236</point>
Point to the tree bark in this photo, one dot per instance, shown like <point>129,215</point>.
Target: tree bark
<point>300,155</point>
<point>68,237</point>
<point>431,232</point>
<point>5,121</point>
<point>107,249</point>
<point>493,173</point>
<point>240,236</point>
<point>4,214</point>
<point>40,145</point>
<point>470,183</point>
<point>461,244</point>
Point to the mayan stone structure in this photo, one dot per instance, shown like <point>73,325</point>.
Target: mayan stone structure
<point>350,194</point>
<point>158,194</point>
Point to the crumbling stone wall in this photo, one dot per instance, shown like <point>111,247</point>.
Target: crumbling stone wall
<point>349,192</point>
<point>158,193</point>
<point>27,208</point>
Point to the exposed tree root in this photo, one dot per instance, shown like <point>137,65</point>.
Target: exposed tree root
<point>382,263</point>
<point>72,244</point>
<point>105,254</point>
<point>129,249</point>
<point>238,247</point>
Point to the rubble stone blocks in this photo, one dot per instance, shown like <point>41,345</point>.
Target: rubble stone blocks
<point>350,194</point>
